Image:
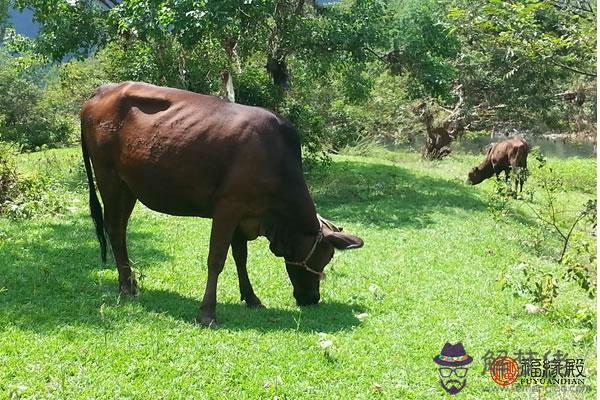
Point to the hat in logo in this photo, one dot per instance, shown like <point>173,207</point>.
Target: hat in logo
<point>453,355</point>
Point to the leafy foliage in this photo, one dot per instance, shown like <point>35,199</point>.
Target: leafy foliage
<point>3,17</point>
<point>516,55</point>
<point>539,286</point>
<point>424,47</point>
<point>26,196</point>
<point>39,104</point>
<point>345,72</point>
<point>581,264</point>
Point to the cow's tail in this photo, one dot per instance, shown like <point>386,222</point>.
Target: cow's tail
<point>95,207</point>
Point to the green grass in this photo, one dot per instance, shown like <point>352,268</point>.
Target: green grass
<point>429,272</point>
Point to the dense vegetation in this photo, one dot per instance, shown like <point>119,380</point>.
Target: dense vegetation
<point>343,73</point>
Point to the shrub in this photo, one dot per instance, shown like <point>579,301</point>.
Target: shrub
<point>537,284</point>
<point>8,174</point>
<point>22,119</point>
<point>254,87</point>
<point>26,196</point>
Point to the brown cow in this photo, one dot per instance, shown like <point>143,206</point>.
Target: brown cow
<point>503,156</point>
<point>183,153</point>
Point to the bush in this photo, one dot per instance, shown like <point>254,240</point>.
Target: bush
<point>8,174</point>
<point>39,104</point>
<point>330,115</point>
<point>40,132</point>
<point>26,196</point>
<point>255,88</point>
<point>22,121</point>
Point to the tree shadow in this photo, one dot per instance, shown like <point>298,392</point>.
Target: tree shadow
<point>324,317</point>
<point>57,280</point>
<point>388,196</point>
<point>50,272</point>
<point>52,279</point>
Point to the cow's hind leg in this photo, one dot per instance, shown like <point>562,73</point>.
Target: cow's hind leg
<point>522,177</point>
<point>507,174</point>
<point>118,205</point>
<point>239,248</point>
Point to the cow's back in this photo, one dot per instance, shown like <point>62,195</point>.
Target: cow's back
<point>509,153</point>
<point>181,152</point>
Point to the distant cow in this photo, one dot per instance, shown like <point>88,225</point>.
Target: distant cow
<point>503,156</point>
<point>183,153</point>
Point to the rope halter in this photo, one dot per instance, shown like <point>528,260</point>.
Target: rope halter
<point>304,263</point>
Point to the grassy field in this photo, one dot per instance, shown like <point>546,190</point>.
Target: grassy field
<point>430,272</point>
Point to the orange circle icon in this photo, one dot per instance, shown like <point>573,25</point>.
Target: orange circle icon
<point>504,370</point>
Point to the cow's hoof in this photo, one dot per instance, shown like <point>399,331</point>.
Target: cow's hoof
<point>255,305</point>
<point>253,302</point>
<point>129,288</point>
<point>207,321</point>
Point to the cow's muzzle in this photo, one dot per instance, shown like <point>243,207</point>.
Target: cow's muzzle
<point>308,301</point>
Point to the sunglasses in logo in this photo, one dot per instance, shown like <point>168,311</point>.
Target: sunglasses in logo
<point>459,372</point>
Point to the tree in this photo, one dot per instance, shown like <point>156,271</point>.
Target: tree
<point>3,17</point>
<point>515,55</point>
<point>232,31</point>
<point>202,45</point>
<point>424,47</point>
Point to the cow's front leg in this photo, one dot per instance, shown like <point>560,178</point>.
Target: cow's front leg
<point>239,248</point>
<point>521,181</point>
<point>220,238</point>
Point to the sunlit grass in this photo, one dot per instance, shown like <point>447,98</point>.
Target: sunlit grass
<point>429,273</point>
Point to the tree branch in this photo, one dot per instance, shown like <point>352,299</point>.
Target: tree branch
<point>571,68</point>
<point>549,223</point>
<point>376,55</point>
<point>562,253</point>
<point>581,8</point>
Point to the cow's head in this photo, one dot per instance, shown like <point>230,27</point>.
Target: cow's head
<point>475,176</point>
<point>306,268</point>
<point>307,255</point>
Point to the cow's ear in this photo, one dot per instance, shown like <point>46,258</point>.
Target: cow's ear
<point>342,241</point>
<point>329,224</point>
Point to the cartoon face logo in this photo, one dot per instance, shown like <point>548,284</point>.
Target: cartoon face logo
<point>453,361</point>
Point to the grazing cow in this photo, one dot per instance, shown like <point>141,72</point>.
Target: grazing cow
<point>183,153</point>
<point>503,156</point>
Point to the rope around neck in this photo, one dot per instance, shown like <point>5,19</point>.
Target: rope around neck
<point>304,262</point>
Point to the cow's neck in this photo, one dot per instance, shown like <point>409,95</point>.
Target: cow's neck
<point>299,211</point>
<point>289,224</point>
<point>304,223</point>
<point>487,169</point>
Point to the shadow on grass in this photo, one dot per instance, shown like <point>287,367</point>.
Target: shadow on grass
<point>325,317</point>
<point>46,270</point>
<point>46,266</point>
<point>49,278</point>
<point>387,196</point>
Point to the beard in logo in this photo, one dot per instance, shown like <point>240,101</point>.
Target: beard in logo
<point>453,386</point>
